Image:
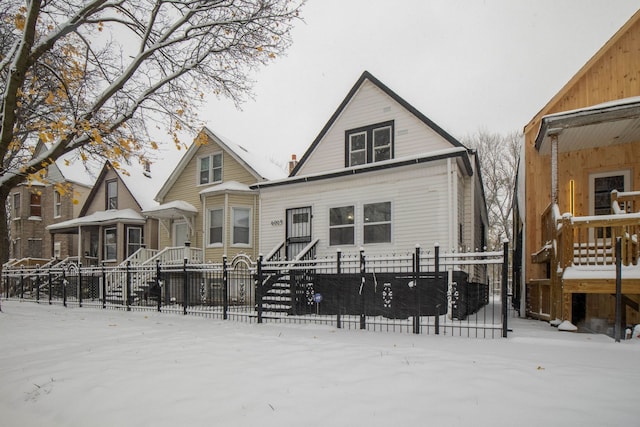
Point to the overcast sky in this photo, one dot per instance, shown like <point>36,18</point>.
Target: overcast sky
<point>465,64</point>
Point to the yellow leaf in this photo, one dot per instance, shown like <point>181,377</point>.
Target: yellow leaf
<point>154,145</point>
<point>50,99</point>
<point>20,21</point>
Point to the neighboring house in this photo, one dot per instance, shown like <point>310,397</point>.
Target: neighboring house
<point>33,206</point>
<point>207,202</point>
<point>110,225</point>
<point>380,176</point>
<point>582,145</point>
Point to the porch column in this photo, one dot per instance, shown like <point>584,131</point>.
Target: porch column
<point>554,167</point>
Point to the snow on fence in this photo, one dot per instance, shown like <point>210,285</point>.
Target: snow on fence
<point>463,294</point>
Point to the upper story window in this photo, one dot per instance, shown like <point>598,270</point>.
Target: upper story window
<point>57,204</point>
<point>35,205</point>
<point>210,169</point>
<point>369,144</point>
<point>16,205</point>
<point>112,195</point>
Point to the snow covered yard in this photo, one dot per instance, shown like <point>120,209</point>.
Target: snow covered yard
<point>90,367</point>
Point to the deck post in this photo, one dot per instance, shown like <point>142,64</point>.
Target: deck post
<point>618,327</point>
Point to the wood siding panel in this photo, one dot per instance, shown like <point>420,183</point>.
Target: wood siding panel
<point>370,106</point>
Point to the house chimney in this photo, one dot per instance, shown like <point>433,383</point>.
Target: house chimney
<point>292,163</point>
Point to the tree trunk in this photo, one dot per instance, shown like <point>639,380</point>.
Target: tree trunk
<point>4,228</point>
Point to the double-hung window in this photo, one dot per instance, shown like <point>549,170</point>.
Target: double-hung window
<point>241,220</point>
<point>369,144</point>
<point>110,244</point>
<point>16,205</point>
<point>134,239</point>
<point>341,226</point>
<point>377,222</point>
<point>112,194</point>
<point>216,218</point>
<point>35,206</point>
<point>57,204</point>
<point>210,169</point>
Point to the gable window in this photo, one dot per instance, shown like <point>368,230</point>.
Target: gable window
<point>16,205</point>
<point>210,169</point>
<point>369,144</point>
<point>112,195</point>
<point>57,204</point>
<point>341,226</point>
<point>377,222</point>
<point>216,217</point>
<point>134,240</point>
<point>35,205</point>
<point>241,218</point>
<point>110,244</point>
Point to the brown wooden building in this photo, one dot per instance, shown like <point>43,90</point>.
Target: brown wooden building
<point>582,145</point>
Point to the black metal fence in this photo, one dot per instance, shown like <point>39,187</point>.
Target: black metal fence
<point>462,294</point>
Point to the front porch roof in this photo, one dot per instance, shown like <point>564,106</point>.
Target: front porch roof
<point>173,210</point>
<point>112,216</point>
<point>602,125</point>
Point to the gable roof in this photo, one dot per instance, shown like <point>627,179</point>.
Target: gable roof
<point>141,184</point>
<point>600,54</point>
<point>70,168</point>
<point>259,167</point>
<point>368,76</point>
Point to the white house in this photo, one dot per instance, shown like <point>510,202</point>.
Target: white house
<point>380,176</point>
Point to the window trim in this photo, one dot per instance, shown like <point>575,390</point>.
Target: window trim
<point>211,169</point>
<point>208,219</point>
<point>107,198</point>
<point>114,244</point>
<point>32,205</point>
<point>369,142</point>
<point>16,212</point>
<point>57,204</point>
<point>141,245</point>
<point>370,224</point>
<point>233,226</point>
<point>343,226</point>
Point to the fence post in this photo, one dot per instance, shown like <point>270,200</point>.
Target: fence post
<point>79,284</point>
<point>259,288</point>
<point>225,288</point>
<point>185,286</point>
<point>127,296</point>
<point>363,317</point>
<point>505,274</point>
<point>436,262</point>
<point>159,285</point>
<point>64,288</point>
<point>416,265</point>
<point>104,287</point>
<point>50,286</point>
<point>38,289</point>
<point>339,271</point>
<point>618,326</point>
<point>21,283</point>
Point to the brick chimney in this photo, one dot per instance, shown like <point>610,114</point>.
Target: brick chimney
<point>292,163</point>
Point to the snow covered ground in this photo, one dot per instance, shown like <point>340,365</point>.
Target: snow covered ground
<point>90,367</point>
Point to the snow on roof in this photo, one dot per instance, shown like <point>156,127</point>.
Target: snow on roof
<point>226,186</point>
<point>100,217</point>
<point>605,105</point>
<point>260,163</point>
<point>73,169</point>
<point>176,204</point>
<point>143,184</point>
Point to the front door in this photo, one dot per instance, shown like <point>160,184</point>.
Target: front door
<point>298,230</point>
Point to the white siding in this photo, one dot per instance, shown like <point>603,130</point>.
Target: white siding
<point>368,106</point>
<point>418,194</point>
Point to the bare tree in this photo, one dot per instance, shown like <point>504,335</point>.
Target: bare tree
<point>99,77</point>
<point>499,156</point>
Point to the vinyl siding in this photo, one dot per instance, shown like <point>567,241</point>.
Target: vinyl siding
<point>370,106</point>
<point>418,195</point>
